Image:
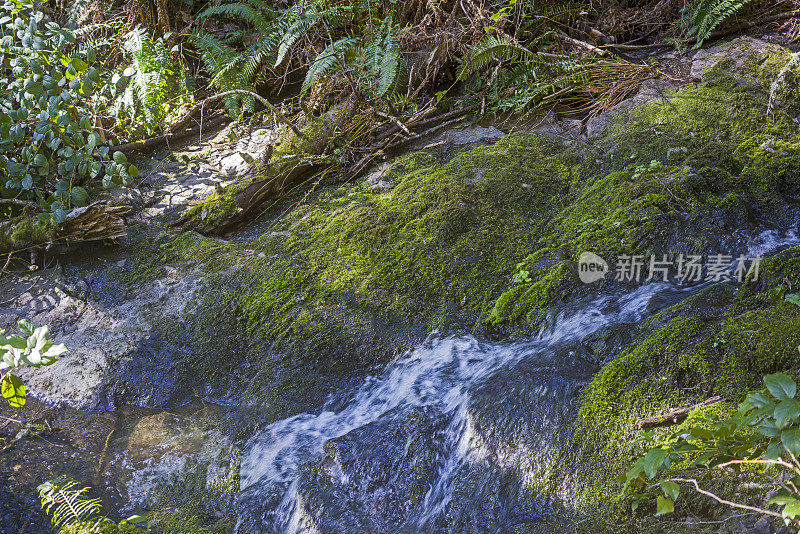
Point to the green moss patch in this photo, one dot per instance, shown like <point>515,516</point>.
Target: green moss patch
<point>685,355</point>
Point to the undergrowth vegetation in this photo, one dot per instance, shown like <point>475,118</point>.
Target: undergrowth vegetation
<point>390,69</point>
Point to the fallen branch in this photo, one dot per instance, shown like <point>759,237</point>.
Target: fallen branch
<point>716,35</point>
<point>444,116</point>
<point>170,137</point>
<point>395,120</point>
<point>94,222</point>
<point>210,100</point>
<point>720,500</point>
<point>22,204</point>
<point>426,133</point>
<point>675,416</point>
<point>582,44</point>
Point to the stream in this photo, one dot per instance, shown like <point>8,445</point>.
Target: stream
<point>441,375</point>
<point>450,379</point>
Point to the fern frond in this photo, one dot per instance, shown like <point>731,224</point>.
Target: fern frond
<point>68,504</point>
<point>382,55</point>
<point>702,17</point>
<point>250,12</point>
<point>493,47</point>
<point>78,13</point>
<point>326,59</point>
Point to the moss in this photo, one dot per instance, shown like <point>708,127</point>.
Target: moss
<point>684,355</point>
<point>525,300</point>
<point>685,172</point>
<point>186,503</point>
<point>172,522</point>
<point>26,230</point>
<point>31,230</point>
<point>88,527</point>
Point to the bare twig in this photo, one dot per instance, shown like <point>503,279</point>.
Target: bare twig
<point>393,119</point>
<point>200,105</point>
<point>720,500</point>
<point>582,44</point>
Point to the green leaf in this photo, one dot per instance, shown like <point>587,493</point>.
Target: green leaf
<point>791,505</point>
<point>664,506</point>
<point>671,489</point>
<point>120,158</point>
<point>769,428</point>
<point>78,64</point>
<point>26,327</point>
<point>781,386</point>
<point>794,298</point>
<point>79,196</point>
<point>652,461</point>
<point>133,171</point>
<point>59,216</point>
<point>701,433</point>
<point>791,440</point>
<point>13,391</point>
<point>786,412</point>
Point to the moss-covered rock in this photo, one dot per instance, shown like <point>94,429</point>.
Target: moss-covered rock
<point>688,174</point>
<point>715,343</point>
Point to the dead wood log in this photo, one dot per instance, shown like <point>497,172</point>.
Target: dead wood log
<point>95,222</point>
<point>138,146</point>
<point>675,416</point>
<point>269,182</point>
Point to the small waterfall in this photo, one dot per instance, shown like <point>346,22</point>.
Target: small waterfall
<point>440,375</point>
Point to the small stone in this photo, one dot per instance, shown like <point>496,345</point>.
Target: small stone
<point>764,526</point>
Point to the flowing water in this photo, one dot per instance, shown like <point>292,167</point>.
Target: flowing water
<point>442,376</point>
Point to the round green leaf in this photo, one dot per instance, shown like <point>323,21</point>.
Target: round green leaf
<point>79,196</point>
<point>13,391</point>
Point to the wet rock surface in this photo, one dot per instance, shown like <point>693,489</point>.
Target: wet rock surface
<point>465,436</point>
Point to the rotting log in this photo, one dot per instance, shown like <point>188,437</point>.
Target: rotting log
<point>675,416</point>
<point>144,144</point>
<point>95,222</point>
<point>244,199</point>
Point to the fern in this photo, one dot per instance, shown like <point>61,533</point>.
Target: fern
<point>702,17</point>
<point>152,85</point>
<point>382,57</point>
<point>67,504</point>
<point>497,48</point>
<point>78,13</point>
<point>233,65</point>
<point>326,60</point>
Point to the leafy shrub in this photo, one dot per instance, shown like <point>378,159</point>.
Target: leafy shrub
<point>762,437</point>
<point>48,146</point>
<point>35,350</point>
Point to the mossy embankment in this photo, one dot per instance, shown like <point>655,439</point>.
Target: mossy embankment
<point>744,172</point>
<point>718,342</point>
<point>356,273</point>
